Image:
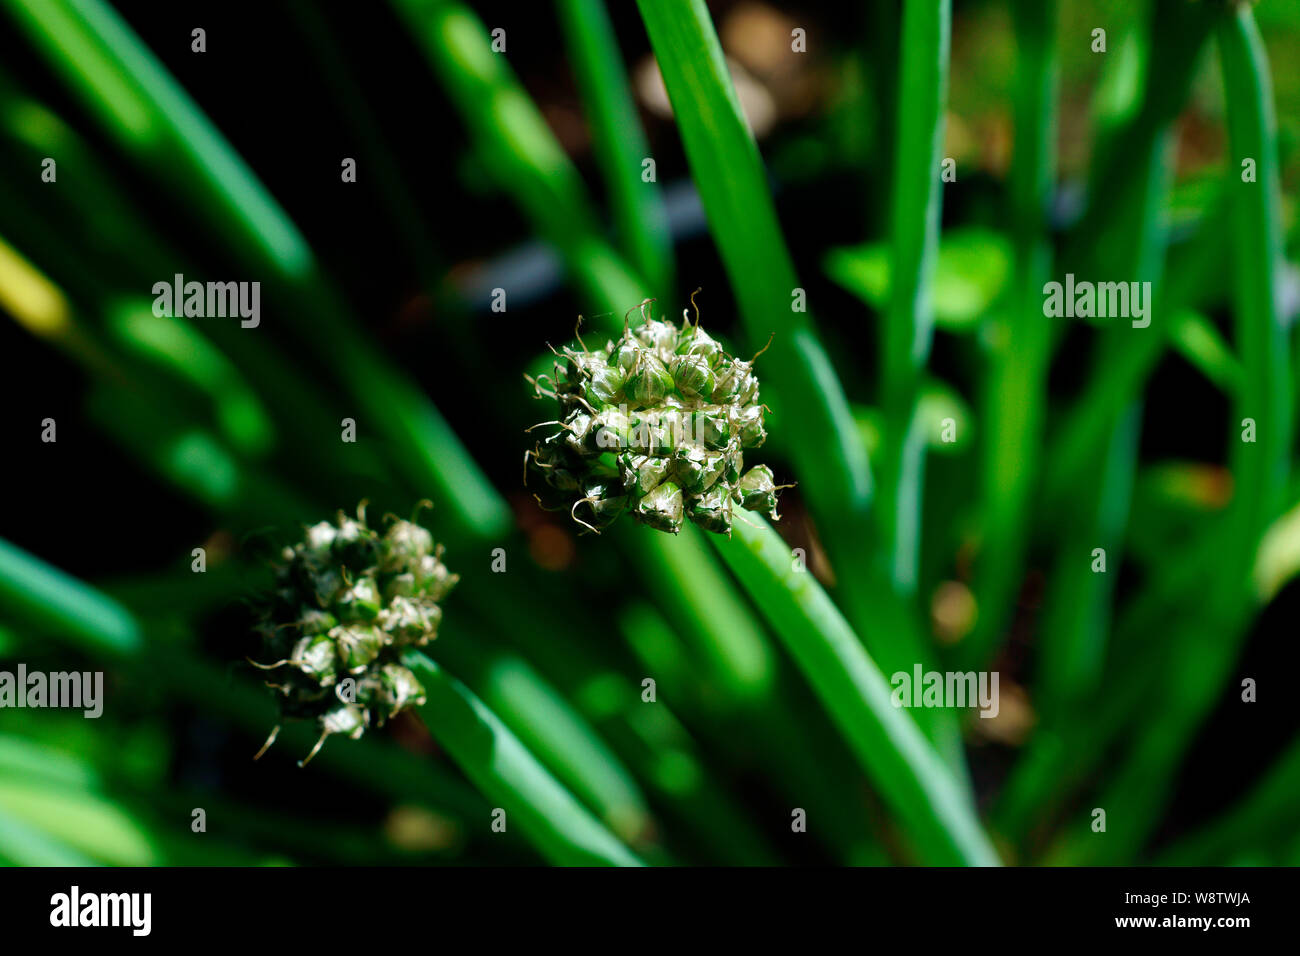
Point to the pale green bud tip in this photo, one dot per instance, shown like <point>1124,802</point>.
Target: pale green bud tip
<point>661,508</point>
<point>347,602</point>
<point>758,490</point>
<point>654,425</point>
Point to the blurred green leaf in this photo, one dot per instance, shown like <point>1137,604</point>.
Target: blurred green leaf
<point>44,594</point>
<point>920,789</point>
<point>525,159</point>
<point>1198,341</point>
<point>493,757</point>
<point>83,821</point>
<point>619,141</point>
<point>972,271</point>
<point>1278,560</point>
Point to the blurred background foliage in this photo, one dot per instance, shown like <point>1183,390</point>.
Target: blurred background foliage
<point>521,171</point>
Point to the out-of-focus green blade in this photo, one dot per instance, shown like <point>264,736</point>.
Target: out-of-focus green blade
<point>520,150</point>
<point>619,142</point>
<point>1015,396</point>
<point>143,107</point>
<point>914,243</point>
<point>922,792</point>
<point>41,593</point>
<point>507,773</point>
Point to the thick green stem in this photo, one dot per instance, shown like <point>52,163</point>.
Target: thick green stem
<point>560,827</point>
<point>549,726</point>
<point>924,795</point>
<point>700,600</point>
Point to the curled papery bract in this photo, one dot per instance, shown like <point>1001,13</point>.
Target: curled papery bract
<point>653,425</point>
<point>347,602</point>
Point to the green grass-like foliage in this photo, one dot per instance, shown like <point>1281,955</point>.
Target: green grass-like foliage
<point>772,647</point>
<point>347,602</point>
<point>654,425</point>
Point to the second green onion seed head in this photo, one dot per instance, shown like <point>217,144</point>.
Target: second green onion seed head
<point>347,602</point>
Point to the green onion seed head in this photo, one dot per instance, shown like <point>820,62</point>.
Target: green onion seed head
<point>654,425</point>
<point>347,602</point>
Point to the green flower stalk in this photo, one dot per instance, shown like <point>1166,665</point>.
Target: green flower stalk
<point>654,425</point>
<point>347,602</point>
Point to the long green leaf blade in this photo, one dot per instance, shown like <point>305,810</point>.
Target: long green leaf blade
<point>559,826</point>
<point>909,322</point>
<point>934,809</point>
<point>619,142</point>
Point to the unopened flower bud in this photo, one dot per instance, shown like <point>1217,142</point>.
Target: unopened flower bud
<point>662,507</point>
<point>757,490</point>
